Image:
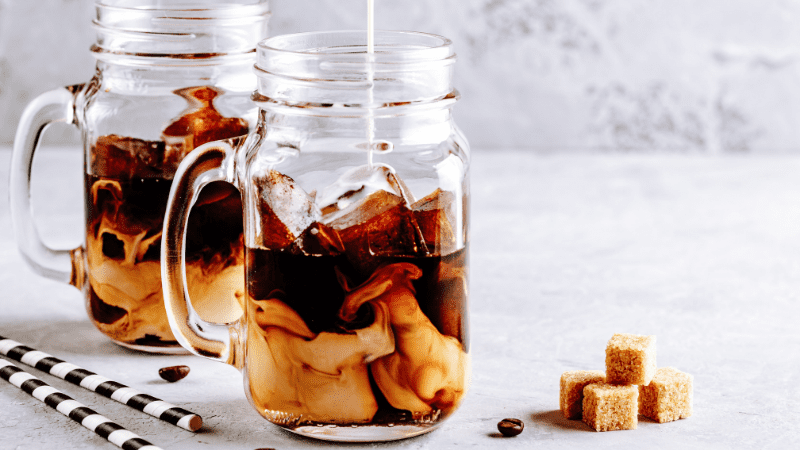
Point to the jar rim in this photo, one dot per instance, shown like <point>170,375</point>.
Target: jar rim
<point>178,31</point>
<point>190,9</point>
<point>419,45</point>
<point>333,71</point>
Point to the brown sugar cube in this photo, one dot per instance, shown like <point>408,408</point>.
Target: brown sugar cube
<point>571,395</point>
<point>668,397</point>
<point>608,407</point>
<point>630,359</point>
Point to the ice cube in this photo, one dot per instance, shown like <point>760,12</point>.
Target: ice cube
<point>123,157</point>
<point>358,184</point>
<point>378,225</point>
<point>451,172</point>
<point>286,210</point>
<point>434,215</point>
<point>318,239</point>
<point>369,207</point>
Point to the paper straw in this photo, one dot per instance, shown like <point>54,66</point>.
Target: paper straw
<point>64,404</point>
<point>101,385</point>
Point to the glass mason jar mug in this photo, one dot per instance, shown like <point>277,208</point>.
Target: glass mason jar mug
<point>355,191</point>
<point>168,79</point>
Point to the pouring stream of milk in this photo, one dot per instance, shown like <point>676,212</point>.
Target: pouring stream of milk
<point>370,77</point>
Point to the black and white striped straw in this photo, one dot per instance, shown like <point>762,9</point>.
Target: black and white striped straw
<point>64,404</point>
<point>101,385</point>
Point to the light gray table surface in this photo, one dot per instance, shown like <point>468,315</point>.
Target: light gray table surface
<point>701,251</point>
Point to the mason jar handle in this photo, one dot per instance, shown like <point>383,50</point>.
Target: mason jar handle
<point>66,266</point>
<point>210,162</point>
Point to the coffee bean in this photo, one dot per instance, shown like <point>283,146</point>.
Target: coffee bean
<point>174,373</point>
<point>510,427</point>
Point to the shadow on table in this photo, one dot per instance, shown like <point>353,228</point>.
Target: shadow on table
<point>236,421</point>
<point>63,337</point>
<point>555,419</point>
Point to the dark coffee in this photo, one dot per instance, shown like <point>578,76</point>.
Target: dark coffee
<point>288,277</point>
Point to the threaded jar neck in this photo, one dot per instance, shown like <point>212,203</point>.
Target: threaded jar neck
<point>178,32</point>
<point>334,72</point>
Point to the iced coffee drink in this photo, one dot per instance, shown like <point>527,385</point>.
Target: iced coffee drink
<point>127,188</point>
<point>356,302</point>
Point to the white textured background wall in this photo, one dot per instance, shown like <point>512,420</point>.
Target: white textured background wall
<point>552,75</point>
